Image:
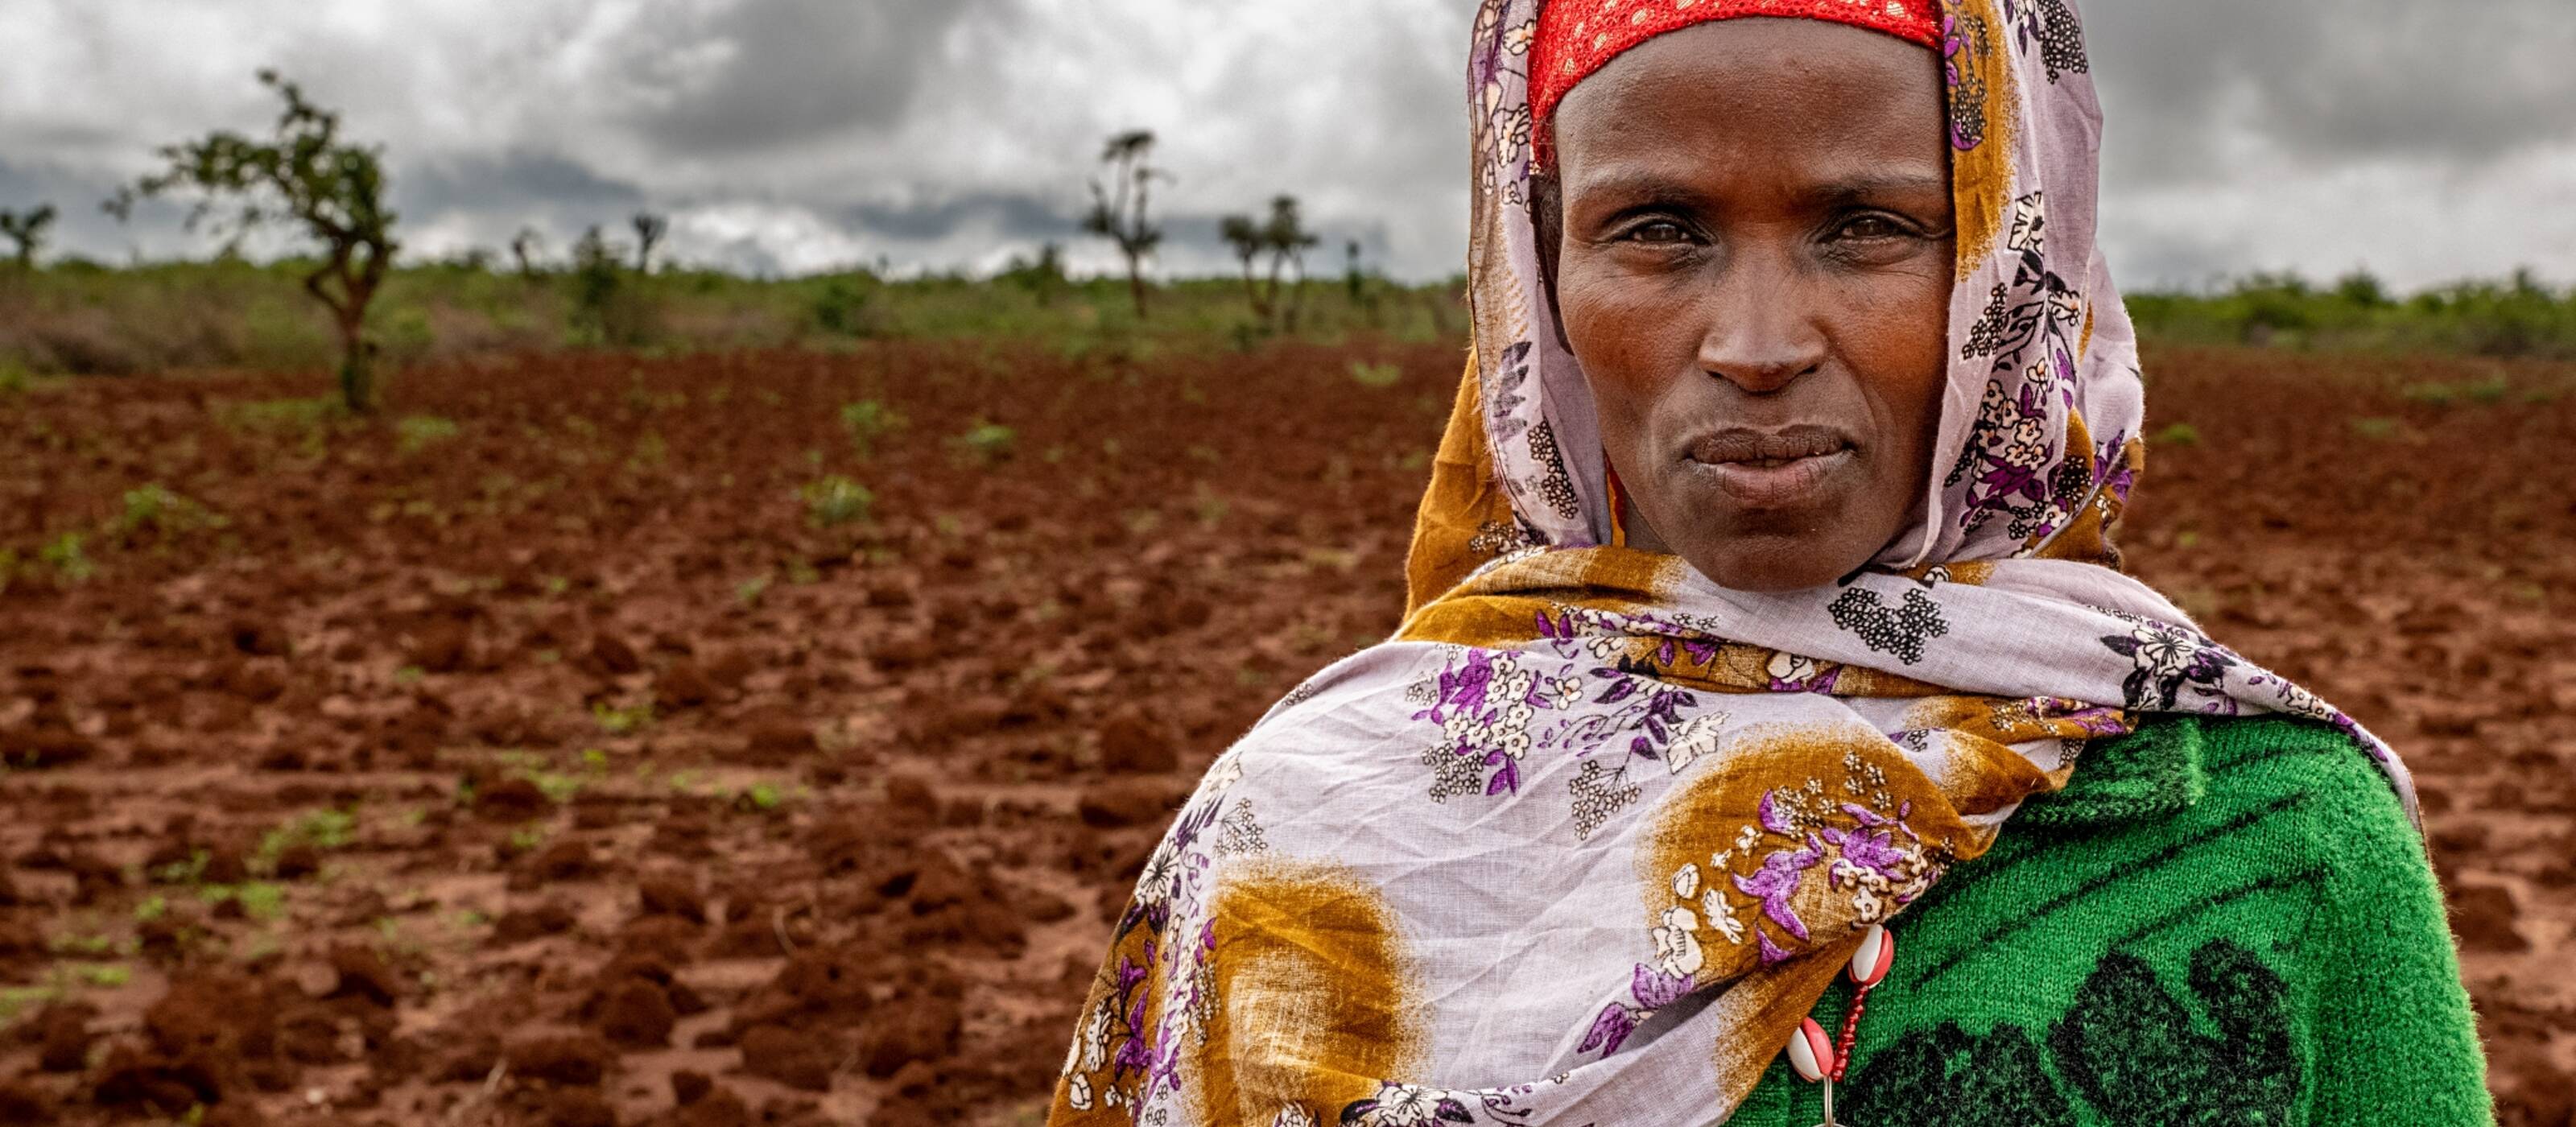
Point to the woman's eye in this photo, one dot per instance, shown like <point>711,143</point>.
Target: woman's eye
<point>1658,232</point>
<point>1869,227</point>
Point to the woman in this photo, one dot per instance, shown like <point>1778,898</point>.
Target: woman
<point>1765,597</point>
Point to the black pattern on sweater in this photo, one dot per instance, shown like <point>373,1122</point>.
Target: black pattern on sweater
<point>2127,1046</point>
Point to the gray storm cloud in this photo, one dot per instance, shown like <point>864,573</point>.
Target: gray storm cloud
<point>2426,141</point>
<point>747,77</point>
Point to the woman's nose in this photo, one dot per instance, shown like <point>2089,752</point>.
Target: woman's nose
<point>1761,333</point>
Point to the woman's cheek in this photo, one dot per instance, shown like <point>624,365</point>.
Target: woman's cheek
<point>1895,332</point>
<point>1621,328</point>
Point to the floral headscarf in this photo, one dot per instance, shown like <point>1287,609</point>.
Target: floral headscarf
<point>1589,835</point>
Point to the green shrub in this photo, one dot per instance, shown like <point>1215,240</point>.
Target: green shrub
<point>2178,434</point>
<point>988,442</point>
<point>63,553</point>
<point>157,509</point>
<point>416,432</point>
<point>843,308</point>
<point>867,421</point>
<point>2486,392</point>
<point>320,829</point>
<point>622,721</point>
<point>1375,375</point>
<point>835,501</point>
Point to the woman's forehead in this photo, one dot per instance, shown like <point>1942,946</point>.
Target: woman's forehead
<point>1846,105</point>
<point>1574,39</point>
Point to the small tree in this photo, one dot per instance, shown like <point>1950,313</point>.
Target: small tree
<point>524,247</point>
<point>649,229</point>
<point>1288,240</point>
<point>27,230</point>
<point>1042,276</point>
<point>594,284</point>
<point>1248,240</point>
<point>1119,213</point>
<point>2362,288</point>
<point>305,174</point>
<point>1355,282</point>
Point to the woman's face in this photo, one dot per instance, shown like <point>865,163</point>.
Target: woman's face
<point>1754,271</point>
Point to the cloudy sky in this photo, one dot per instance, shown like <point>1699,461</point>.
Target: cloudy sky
<point>2427,141</point>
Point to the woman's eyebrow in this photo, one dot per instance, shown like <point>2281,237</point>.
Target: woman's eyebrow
<point>1876,184</point>
<point>1649,184</point>
<point>1633,184</point>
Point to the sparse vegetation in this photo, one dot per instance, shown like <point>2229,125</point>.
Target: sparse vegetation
<point>649,230</point>
<point>1284,238</point>
<point>2178,434</point>
<point>1120,210</point>
<point>835,501</point>
<point>867,421</point>
<point>987,442</point>
<point>156,509</point>
<point>624,721</point>
<point>1379,375</point>
<point>418,432</point>
<point>333,191</point>
<point>321,830</point>
<point>2519,316</point>
<point>26,231</point>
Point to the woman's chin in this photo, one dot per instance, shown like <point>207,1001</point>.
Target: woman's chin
<point>1771,563</point>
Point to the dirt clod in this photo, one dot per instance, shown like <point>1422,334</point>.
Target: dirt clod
<point>571,1061</point>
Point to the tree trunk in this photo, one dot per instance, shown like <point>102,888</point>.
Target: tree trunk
<point>357,369</point>
<point>1136,283</point>
<point>1297,296</point>
<point>1273,304</point>
<point>1252,293</point>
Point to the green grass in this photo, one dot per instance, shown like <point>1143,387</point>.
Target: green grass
<point>2484,393</point>
<point>157,509</point>
<point>414,433</point>
<point>68,558</point>
<point>558,788</point>
<point>2178,434</point>
<point>322,830</point>
<point>1375,375</point>
<point>260,900</point>
<point>182,872</point>
<point>82,944</point>
<point>986,442</point>
<point>84,317</point>
<point>622,721</point>
<point>835,501</point>
<point>106,976</point>
<point>296,416</point>
<point>17,1000</point>
<point>2516,316</point>
<point>867,421</point>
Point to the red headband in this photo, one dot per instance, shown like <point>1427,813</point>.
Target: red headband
<point>1576,37</point>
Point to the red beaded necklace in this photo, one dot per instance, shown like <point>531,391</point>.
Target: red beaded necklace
<point>1818,1059</point>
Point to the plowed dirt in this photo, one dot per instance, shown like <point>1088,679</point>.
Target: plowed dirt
<point>575,752</point>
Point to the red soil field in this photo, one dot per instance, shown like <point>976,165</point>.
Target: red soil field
<point>561,766</point>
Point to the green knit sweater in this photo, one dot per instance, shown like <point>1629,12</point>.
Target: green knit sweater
<point>2218,921</point>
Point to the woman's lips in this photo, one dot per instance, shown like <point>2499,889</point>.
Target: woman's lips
<point>1770,469</point>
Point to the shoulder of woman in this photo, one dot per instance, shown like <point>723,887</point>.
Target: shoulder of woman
<point>2212,783</point>
<point>2306,766</point>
